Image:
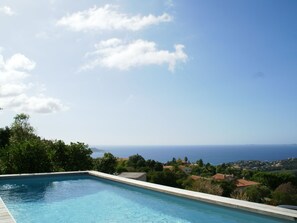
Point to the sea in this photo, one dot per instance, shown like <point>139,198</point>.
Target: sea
<point>214,154</point>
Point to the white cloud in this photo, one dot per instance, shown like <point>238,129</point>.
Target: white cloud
<point>108,43</point>
<point>108,18</point>
<point>10,89</point>
<point>38,104</point>
<point>15,90</point>
<point>116,53</point>
<point>7,10</point>
<point>11,72</point>
<point>19,62</point>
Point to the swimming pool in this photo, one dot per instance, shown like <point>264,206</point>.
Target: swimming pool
<point>84,198</point>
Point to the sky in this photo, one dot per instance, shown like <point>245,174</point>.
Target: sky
<point>151,72</point>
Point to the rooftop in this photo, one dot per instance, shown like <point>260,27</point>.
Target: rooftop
<point>245,183</point>
<point>134,175</point>
<point>220,176</point>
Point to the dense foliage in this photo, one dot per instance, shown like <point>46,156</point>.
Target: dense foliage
<point>105,164</point>
<point>22,151</point>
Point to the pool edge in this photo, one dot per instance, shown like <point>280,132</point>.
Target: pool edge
<point>21,175</point>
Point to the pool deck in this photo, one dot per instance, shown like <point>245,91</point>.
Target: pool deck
<point>263,209</point>
<point>5,216</point>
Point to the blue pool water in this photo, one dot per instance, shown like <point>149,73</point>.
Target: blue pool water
<point>88,199</point>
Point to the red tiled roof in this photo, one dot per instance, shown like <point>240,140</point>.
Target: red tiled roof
<point>220,176</point>
<point>195,177</point>
<point>245,183</point>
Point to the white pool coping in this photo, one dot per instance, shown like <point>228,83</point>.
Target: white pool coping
<point>263,209</point>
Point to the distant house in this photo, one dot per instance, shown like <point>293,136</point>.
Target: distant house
<point>134,175</point>
<point>242,183</point>
<point>221,177</point>
<point>185,169</point>
<point>171,168</point>
<point>195,177</point>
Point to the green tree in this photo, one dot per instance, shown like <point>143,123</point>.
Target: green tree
<point>247,174</point>
<point>121,165</point>
<point>167,178</point>
<point>179,161</point>
<point>151,164</point>
<point>181,177</point>
<point>206,186</point>
<point>106,164</point>
<point>25,152</point>
<point>188,183</point>
<point>231,170</point>
<point>21,129</point>
<point>208,170</point>
<point>200,163</point>
<point>197,170</point>
<point>120,169</point>
<point>136,161</point>
<point>4,137</point>
<point>173,160</point>
<point>221,168</point>
<point>29,156</point>
<point>79,157</point>
<point>60,155</point>
<point>22,151</point>
<point>154,165</point>
<point>158,166</point>
<point>285,194</point>
<point>227,186</point>
<point>273,180</point>
<point>257,193</point>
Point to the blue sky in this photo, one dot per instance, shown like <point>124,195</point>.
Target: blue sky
<point>151,72</point>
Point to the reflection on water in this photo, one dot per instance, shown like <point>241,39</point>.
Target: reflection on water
<point>22,192</point>
<point>44,189</point>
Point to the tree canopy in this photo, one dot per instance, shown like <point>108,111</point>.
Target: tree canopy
<point>105,164</point>
<point>22,151</point>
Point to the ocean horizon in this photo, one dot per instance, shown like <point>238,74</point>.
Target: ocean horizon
<point>214,154</point>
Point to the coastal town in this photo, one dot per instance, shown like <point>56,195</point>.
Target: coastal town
<point>277,165</point>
